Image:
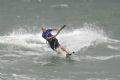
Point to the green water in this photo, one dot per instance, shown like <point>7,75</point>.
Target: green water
<point>93,31</point>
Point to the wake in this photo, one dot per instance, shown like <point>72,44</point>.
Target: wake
<point>74,40</point>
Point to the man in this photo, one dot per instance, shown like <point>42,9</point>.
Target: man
<point>52,40</point>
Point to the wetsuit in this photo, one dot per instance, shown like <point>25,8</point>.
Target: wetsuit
<point>52,42</point>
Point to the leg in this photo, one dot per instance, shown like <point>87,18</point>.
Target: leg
<point>63,48</point>
<point>55,44</point>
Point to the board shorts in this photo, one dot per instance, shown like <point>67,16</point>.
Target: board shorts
<point>54,43</point>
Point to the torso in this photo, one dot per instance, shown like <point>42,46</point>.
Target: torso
<point>47,34</point>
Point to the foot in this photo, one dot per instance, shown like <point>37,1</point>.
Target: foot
<point>73,52</point>
<point>69,54</point>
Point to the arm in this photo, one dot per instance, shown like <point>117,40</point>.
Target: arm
<point>53,35</point>
<point>48,38</point>
<point>55,29</point>
<point>58,31</point>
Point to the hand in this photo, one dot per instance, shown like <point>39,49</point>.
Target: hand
<point>53,36</point>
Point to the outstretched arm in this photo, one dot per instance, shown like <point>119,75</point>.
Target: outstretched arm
<point>55,29</point>
<point>58,31</point>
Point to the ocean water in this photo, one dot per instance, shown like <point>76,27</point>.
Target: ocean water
<point>93,32</point>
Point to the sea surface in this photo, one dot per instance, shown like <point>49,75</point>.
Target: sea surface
<point>93,32</point>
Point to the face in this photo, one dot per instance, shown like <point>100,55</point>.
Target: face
<point>43,28</point>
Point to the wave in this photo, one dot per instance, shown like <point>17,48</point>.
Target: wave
<point>59,5</point>
<point>114,47</point>
<point>100,79</point>
<point>22,77</point>
<point>100,57</point>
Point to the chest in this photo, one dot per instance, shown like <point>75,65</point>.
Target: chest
<point>47,33</point>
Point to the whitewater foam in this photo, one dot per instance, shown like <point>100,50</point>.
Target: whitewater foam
<point>74,40</point>
<point>80,38</point>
